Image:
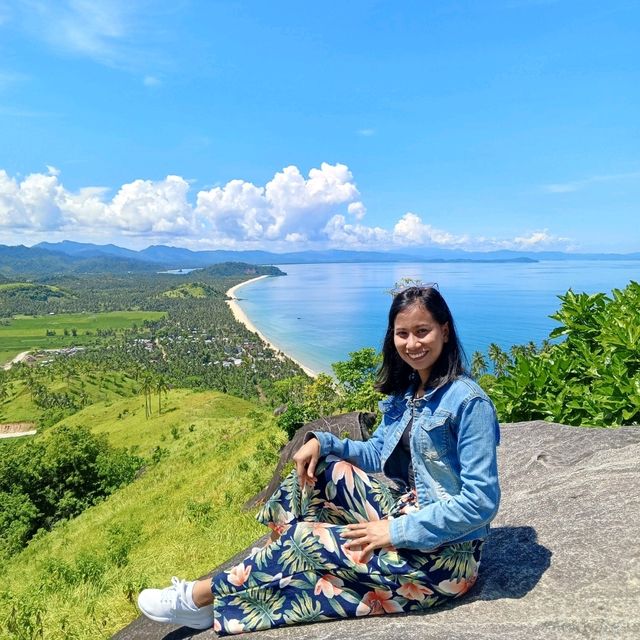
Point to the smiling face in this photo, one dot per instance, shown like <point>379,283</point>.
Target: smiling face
<point>419,339</point>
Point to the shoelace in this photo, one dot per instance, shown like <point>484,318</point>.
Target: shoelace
<point>176,594</point>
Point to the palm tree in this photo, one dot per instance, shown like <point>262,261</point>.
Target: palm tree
<point>499,358</point>
<point>147,387</point>
<point>478,364</point>
<point>161,386</point>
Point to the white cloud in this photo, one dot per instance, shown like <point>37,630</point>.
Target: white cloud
<point>343,234</point>
<point>32,204</point>
<point>238,210</point>
<point>578,185</point>
<point>151,81</point>
<point>289,206</point>
<point>366,133</point>
<point>357,210</point>
<point>114,33</point>
<point>160,207</point>
<point>82,27</point>
<point>536,240</point>
<point>289,212</point>
<point>411,230</point>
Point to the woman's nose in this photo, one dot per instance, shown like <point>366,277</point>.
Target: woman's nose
<point>412,340</point>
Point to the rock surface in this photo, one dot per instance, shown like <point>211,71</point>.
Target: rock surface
<point>354,425</point>
<point>562,561</point>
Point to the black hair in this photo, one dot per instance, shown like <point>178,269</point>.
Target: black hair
<point>395,375</point>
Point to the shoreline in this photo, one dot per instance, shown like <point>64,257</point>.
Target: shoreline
<point>242,317</point>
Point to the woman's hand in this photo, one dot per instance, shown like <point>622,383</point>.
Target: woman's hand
<point>368,536</point>
<point>306,459</point>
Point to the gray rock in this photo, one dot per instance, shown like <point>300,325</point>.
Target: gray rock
<point>354,425</point>
<point>562,561</point>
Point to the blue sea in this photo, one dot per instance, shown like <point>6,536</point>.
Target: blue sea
<point>319,313</point>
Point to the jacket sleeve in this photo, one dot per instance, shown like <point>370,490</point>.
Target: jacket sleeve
<point>477,501</point>
<point>364,454</point>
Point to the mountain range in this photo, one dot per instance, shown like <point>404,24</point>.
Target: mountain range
<point>48,258</point>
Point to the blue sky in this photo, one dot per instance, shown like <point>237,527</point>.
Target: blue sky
<point>288,125</point>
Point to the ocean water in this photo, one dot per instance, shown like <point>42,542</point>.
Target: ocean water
<point>319,313</point>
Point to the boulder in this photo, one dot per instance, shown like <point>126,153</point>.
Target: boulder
<point>562,560</point>
<point>354,425</point>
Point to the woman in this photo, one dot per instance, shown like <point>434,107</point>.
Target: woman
<point>345,544</point>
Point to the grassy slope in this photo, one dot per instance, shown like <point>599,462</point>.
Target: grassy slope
<point>19,406</point>
<point>183,516</point>
<point>190,290</point>
<point>28,332</point>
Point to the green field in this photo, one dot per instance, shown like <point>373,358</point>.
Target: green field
<point>206,455</point>
<point>24,333</point>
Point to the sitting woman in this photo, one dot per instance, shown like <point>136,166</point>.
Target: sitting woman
<point>345,544</point>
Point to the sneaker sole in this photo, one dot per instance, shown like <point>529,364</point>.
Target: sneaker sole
<point>191,624</point>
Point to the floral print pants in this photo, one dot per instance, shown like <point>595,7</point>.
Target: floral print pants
<point>307,575</point>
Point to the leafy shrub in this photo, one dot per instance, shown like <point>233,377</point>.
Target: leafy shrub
<point>356,377</point>
<point>17,514</point>
<point>353,391</point>
<point>591,377</point>
<point>54,477</point>
<point>293,417</point>
<point>121,538</point>
<point>23,618</point>
<point>199,512</point>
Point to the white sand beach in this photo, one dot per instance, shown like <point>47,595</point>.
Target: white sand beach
<point>241,316</point>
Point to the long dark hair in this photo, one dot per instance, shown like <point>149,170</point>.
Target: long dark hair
<point>395,375</point>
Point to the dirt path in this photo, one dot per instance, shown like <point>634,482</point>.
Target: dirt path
<point>19,358</point>
<point>17,429</point>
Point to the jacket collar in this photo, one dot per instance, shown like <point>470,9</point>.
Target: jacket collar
<point>402,401</point>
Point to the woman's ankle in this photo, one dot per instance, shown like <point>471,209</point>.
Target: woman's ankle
<point>202,595</point>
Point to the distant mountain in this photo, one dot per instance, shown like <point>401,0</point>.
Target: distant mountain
<point>87,250</point>
<point>179,258</point>
<point>34,262</point>
<point>165,257</point>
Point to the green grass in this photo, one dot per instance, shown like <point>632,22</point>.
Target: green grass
<point>27,286</point>
<point>23,333</point>
<point>99,387</point>
<point>191,290</point>
<point>182,516</point>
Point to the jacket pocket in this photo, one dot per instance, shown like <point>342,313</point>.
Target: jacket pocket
<point>435,436</point>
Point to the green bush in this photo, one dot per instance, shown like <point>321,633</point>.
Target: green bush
<point>54,477</point>
<point>592,377</point>
<point>353,390</point>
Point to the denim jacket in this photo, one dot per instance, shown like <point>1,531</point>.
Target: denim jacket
<point>453,443</point>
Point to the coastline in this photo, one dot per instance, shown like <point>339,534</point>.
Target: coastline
<point>242,317</point>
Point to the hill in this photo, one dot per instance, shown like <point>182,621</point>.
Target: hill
<point>68,258</point>
<point>30,291</point>
<point>21,261</point>
<point>206,455</point>
<point>193,290</point>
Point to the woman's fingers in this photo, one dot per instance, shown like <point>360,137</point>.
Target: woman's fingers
<point>373,535</point>
<point>352,532</point>
<point>306,460</point>
<point>300,468</point>
<point>311,468</point>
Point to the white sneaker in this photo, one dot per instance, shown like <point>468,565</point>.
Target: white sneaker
<point>171,605</point>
